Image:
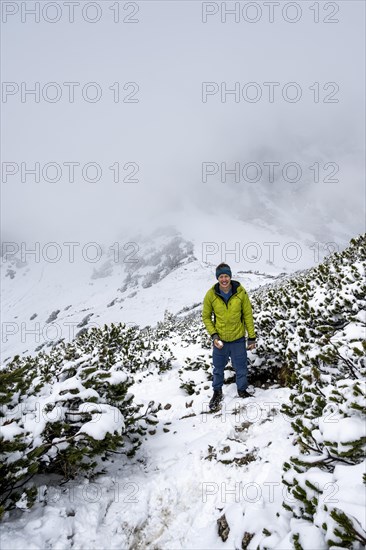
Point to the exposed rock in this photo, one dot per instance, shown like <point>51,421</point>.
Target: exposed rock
<point>53,316</point>
<point>243,426</point>
<point>187,415</point>
<point>247,537</point>
<point>223,528</point>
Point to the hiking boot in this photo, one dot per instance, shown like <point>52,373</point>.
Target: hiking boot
<point>215,399</point>
<point>244,393</point>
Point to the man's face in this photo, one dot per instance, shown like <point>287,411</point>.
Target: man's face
<point>224,280</point>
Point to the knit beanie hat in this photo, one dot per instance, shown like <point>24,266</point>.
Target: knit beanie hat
<point>223,271</point>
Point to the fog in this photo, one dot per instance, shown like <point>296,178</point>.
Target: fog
<point>167,123</point>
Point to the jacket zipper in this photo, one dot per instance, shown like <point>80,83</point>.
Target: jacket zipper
<point>226,303</point>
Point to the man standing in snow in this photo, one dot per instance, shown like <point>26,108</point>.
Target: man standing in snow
<point>230,305</point>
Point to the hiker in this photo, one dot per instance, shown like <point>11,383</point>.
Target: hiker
<point>229,302</point>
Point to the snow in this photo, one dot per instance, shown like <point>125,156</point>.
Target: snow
<point>342,430</point>
<point>196,467</point>
<point>8,431</point>
<point>350,495</point>
<point>310,537</point>
<point>171,495</point>
<point>105,419</point>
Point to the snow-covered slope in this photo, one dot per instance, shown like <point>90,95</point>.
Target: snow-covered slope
<point>280,470</point>
<point>133,280</point>
<point>171,495</point>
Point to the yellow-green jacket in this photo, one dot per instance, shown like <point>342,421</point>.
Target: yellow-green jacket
<point>232,320</point>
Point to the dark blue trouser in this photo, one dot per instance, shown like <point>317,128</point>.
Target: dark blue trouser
<point>238,353</point>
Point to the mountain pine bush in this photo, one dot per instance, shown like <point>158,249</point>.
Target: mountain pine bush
<point>62,410</point>
<point>312,328</point>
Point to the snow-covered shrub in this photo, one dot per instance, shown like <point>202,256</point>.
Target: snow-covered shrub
<point>312,329</point>
<point>325,479</point>
<point>139,349</point>
<point>297,318</point>
<point>59,411</point>
<point>188,329</point>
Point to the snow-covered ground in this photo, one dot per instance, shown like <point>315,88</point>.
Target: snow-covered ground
<point>195,468</point>
<point>172,493</point>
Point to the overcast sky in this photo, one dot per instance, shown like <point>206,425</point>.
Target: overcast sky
<point>163,137</point>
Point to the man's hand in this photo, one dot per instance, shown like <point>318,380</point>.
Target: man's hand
<point>251,344</point>
<point>218,343</point>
